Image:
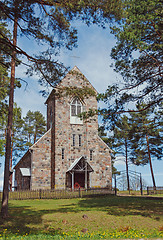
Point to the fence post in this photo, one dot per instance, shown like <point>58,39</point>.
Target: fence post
<point>147,190</point>
<point>141,187</point>
<point>40,194</point>
<point>79,193</point>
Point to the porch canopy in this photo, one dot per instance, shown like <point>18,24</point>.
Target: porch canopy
<point>79,171</point>
<point>80,165</point>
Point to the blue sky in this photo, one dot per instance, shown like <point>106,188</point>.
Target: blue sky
<point>92,57</point>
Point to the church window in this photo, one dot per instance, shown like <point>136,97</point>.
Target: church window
<point>73,139</point>
<point>76,108</point>
<point>80,140</point>
<point>63,153</point>
<point>91,155</point>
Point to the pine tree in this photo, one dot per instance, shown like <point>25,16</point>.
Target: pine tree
<point>138,53</point>
<point>147,140</point>
<point>34,127</point>
<point>122,142</point>
<point>138,59</point>
<point>51,25</point>
<point>4,92</point>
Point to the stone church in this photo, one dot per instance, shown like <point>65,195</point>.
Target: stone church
<point>70,154</point>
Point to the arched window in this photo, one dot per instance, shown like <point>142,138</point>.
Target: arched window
<point>76,107</point>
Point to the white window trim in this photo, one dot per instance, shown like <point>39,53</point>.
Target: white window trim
<point>76,119</point>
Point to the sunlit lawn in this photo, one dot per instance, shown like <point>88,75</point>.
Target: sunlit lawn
<point>96,218</point>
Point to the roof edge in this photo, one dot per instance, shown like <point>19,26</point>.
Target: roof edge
<point>105,144</point>
<point>31,148</point>
<point>75,68</point>
<point>25,154</point>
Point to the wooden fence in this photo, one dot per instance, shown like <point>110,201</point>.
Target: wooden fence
<point>58,194</point>
<point>152,190</point>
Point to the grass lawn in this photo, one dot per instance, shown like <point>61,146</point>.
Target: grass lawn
<point>95,218</point>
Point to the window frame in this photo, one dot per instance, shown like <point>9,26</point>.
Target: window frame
<point>63,153</point>
<point>76,107</point>
<point>73,140</point>
<point>76,103</point>
<point>91,155</point>
<point>80,140</point>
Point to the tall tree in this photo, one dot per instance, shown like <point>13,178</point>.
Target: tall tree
<point>17,145</point>
<point>34,127</point>
<point>49,22</point>
<point>17,140</point>
<point>4,81</point>
<point>138,57</point>
<point>4,92</point>
<point>4,87</point>
<point>147,140</point>
<point>122,142</point>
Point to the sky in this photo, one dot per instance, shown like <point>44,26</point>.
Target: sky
<point>93,59</point>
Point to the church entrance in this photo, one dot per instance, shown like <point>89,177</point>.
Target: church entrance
<point>78,175</point>
<point>79,179</point>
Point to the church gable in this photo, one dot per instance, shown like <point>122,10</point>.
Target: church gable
<point>75,78</point>
<point>43,142</point>
<point>73,84</point>
<point>70,153</point>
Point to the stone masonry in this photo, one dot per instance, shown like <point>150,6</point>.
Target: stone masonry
<point>52,158</point>
<point>63,136</point>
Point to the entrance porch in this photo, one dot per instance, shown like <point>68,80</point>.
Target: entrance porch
<point>79,174</point>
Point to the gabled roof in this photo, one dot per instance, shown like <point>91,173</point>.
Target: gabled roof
<point>30,148</point>
<point>76,167</point>
<point>104,143</point>
<point>22,158</point>
<point>75,69</point>
<point>39,139</point>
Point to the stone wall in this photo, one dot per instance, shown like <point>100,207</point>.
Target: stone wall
<point>46,159</point>
<point>101,162</point>
<point>41,163</point>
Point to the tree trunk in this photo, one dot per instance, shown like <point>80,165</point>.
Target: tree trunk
<point>150,162</point>
<point>4,208</point>
<point>127,174</point>
<point>10,177</point>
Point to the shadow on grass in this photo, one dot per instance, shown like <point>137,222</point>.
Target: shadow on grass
<point>22,216</point>
<point>123,206</point>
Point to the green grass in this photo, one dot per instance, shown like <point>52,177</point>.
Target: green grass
<point>105,217</point>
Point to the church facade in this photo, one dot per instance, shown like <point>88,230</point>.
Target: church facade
<point>70,154</point>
